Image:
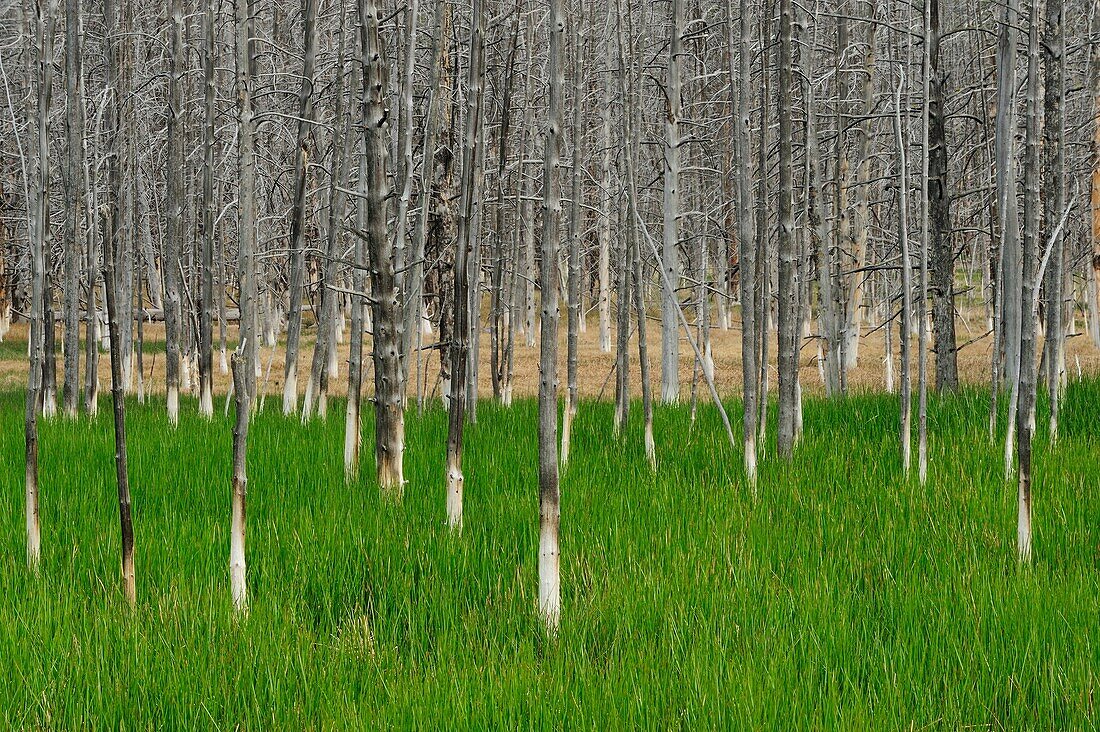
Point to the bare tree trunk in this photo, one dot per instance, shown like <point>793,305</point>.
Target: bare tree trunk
<point>37,190</point>
<point>206,294</point>
<point>842,222</point>
<point>828,328</point>
<point>922,300</point>
<point>1054,200</point>
<point>1094,194</point>
<point>389,402</point>
<point>939,195</point>
<point>74,159</point>
<point>244,370</point>
<point>746,237</point>
<point>788,298</point>
<point>906,329</point>
<point>604,229</point>
<point>173,223</point>
<point>1032,222</point>
<point>298,214</point>
<point>549,496</point>
<point>110,277</point>
<point>763,274</point>
<point>670,254</point>
<point>460,343</point>
<point>574,253</point>
<point>502,279</point>
<point>527,184</point>
<point>317,383</point>
<point>1007,209</point>
<point>860,222</point>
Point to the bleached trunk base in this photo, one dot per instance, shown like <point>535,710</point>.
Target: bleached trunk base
<point>129,578</point>
<point>650,447</point>
<point>173,406</point>
<point>237,568</point>
<point>206,400</point>
<point>351,442</point>
<point>1023,524</point>
<point>333,363</point>
<point>566,434</point>
<point>455,482</point>
<point>49,403</point>
<point>549,572</point>
<point>750,461</point>
<point>185,373</point>
<point>307,401</point>
<point>290,391</point>
<point>34,531</point>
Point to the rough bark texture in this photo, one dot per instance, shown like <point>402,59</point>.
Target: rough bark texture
<point>243,362</point>
<point>111,256</point>
<point>549,496</point>
<point>460,341</point>
<point>173,221</point>
<point>1054,194</point>
<point>788,299</point>
<point>670,252</point>
<point>1032,221</point>
<point>74,159</point>
<point>939,197</point>
<point>206,292</point>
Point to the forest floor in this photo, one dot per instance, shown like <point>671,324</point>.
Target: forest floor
<point>840,594</point>
<point>595,375</point>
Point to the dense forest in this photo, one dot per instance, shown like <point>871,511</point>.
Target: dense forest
<point>401,204</point>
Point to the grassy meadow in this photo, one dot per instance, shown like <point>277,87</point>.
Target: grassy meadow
<point>841,596</point>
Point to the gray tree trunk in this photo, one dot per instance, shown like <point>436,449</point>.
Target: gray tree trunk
<point>549,496</point>
<point>670,253</point>
<point>74,160</point>
<point>298,214</point>
<point>173,220</point>
<point>788,297</point>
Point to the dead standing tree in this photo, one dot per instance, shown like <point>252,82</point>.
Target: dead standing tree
<point>549,495</point>
<point>389,399</point>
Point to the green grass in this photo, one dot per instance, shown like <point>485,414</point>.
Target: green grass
<point>841,597</point>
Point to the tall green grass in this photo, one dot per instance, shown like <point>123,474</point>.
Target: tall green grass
<point>841,596</point>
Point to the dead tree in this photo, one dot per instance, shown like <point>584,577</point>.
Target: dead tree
<point>549,495</point>
<point>298,212</point>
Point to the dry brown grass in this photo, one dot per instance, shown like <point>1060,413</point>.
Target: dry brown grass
<point>595,372</point>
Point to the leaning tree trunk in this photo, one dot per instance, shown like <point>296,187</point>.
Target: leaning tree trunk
<point>549,496</point>
<point>298,214</point>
